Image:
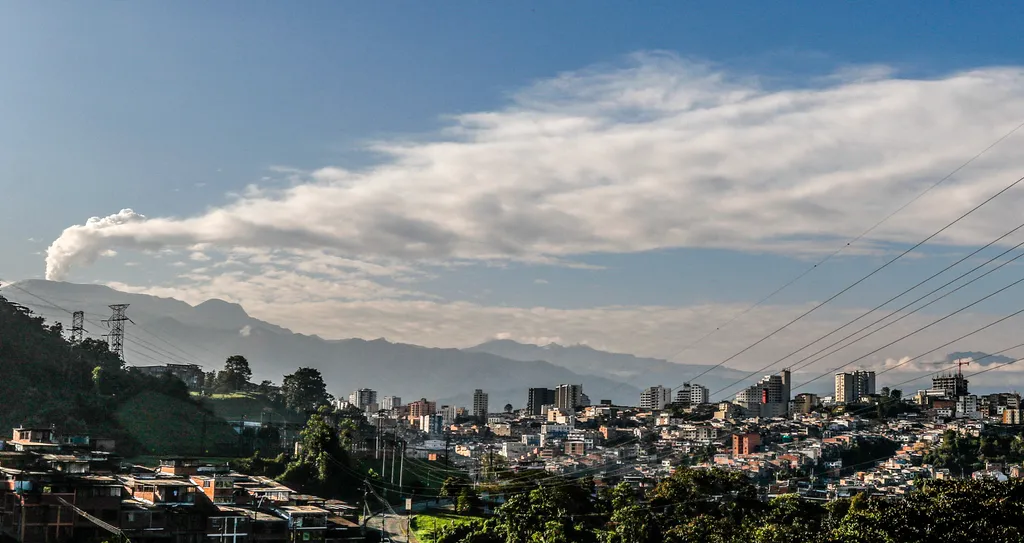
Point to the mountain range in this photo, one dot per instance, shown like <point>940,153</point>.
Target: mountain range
<point>166,330</point>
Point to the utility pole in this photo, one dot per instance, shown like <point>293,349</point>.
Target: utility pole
<point>393,462</point>
<point>401,468</point>
<point>116,323</point>
<point>383,465</point>
<point>447,440</point>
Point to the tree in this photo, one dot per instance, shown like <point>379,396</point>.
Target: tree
<point>305,390</point>
<point>635,524</point>
<point>509,408</point>
<point>467,501</point>
<point>264,387</point>
<point>210,381</point>
<point>322,464</point>
<point>452,487</point>
<point>236,374</point>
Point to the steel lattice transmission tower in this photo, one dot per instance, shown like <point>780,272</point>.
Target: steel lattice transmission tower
<point>77,326</point>
<point>116,324</point>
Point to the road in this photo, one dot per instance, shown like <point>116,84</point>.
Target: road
<point>394,526</point>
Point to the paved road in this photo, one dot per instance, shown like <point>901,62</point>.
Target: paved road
<point>395,527</point>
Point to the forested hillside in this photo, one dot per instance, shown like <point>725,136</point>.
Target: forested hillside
<point>84,388</point>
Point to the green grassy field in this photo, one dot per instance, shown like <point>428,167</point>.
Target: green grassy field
<point>238,405</point>
<point>163,426</point>
<point>423,525</point>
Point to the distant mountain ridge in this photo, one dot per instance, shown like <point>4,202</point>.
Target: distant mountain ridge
<point>640,372</point>
<point>172,331</point>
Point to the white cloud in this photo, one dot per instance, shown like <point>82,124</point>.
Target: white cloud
<point>245,331</point>
<point>656,153</point>
<point>540,281</point>
<point>199,257</point>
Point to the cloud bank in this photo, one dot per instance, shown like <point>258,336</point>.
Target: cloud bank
<point>656,152</point>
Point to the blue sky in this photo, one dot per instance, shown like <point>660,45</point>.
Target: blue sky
<point>174,109</point>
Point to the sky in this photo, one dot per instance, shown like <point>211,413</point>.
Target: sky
<point>628,175</point>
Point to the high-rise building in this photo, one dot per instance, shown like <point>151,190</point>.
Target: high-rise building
<point>363,398</point>
<point>683,395</point>
<point>432,424</point>
<point>480,404</point>
<point>953,384</point>
<point>449,413</point>
<point>851,387</point>
<point>421,407</point>
<point>390,402</point>
<point>699,394</point>
<point>805,402</point>
<point>750,399</point>
<point>568,396</point>
<point>537,398</point>
<point>768,398</point>
<point>656,397</point>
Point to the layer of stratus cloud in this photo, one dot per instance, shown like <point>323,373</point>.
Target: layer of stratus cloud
<point>655,153</point>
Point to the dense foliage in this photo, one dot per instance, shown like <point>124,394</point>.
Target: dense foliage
<point>964,454</point>
<point>45,379</point>
<point>305,390</point>
<point>710,505</point>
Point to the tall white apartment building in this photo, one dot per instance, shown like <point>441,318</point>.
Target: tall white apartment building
<point>656,397</point>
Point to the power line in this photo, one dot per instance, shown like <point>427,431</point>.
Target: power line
<point>139,341</point>
<point>987,326</point>
<point>842,248</point>
<point>907,314</point>
<point>862,279</point>
<point>799,364</point>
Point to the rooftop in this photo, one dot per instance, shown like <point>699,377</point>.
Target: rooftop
<point>303,509</point>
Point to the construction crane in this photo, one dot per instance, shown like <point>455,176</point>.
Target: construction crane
<point>960,363</point>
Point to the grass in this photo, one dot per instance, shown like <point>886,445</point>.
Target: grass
<point>423,525</point>
<point>251,406</point>
<point>430,474</point>
<point>163,426</point>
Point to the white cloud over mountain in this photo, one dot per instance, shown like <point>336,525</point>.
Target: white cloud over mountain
<point>653,153</point>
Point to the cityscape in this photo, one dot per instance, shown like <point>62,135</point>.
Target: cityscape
<point>511,272</point>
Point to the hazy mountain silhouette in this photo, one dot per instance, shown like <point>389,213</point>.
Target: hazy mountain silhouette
<point>167,330</point>
<point>637,371</point>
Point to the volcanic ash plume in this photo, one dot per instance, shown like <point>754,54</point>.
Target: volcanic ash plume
<point>82,244</point>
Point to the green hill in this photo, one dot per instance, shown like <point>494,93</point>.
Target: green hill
<point>164,425</point>
<point>85,389</point>
<point>250,406</point>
